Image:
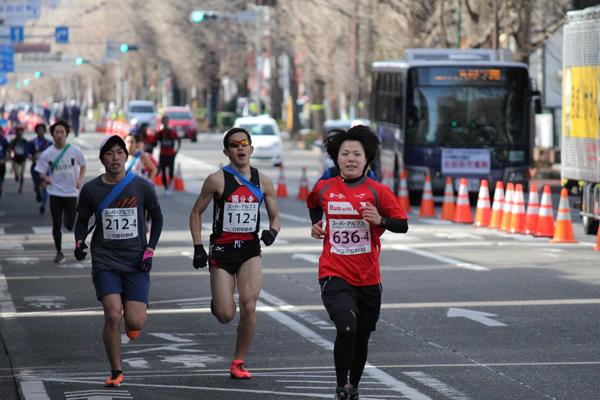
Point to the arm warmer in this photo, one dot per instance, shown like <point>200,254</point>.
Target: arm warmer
<point>156,228</point>
<point>394,225</point>
<point>316,214</point>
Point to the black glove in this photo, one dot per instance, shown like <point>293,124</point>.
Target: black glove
<point>80,252</point>
<point>200,256</point>
<point>268,236</point>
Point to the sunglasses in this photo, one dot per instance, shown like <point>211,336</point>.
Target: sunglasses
<point>239,143</point>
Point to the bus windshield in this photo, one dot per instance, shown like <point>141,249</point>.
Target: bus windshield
<point>465,107</point>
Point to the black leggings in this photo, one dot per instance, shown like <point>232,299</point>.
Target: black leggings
<point>164,162</point>
<point>60,206</point>
<point>350,349</point>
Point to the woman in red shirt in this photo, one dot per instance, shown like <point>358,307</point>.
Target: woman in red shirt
<point>358,210</point>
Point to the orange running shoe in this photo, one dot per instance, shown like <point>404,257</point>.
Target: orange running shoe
<point>115,378</point>
<point>238,371</point>
<point>132,333</point>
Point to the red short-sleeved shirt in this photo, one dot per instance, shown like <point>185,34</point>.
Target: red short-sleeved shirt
<point>167,138</point>
<point>351,246</point>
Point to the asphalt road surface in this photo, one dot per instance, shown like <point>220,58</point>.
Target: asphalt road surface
<point>468,313</point>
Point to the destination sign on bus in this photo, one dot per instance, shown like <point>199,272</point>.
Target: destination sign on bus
<point>470,74</point>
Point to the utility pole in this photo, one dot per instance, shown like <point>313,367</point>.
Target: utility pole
<point>496,27</point>
<point>258,57</point>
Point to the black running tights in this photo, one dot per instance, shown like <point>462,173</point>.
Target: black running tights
<point>350,349</point>
<point>60,206</point>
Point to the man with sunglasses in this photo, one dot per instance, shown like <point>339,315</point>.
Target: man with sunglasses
<point>237,191</point>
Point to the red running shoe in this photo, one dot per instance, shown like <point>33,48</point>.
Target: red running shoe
<point>238,371</point>
<point>132,333</point>
<point>115,379</point>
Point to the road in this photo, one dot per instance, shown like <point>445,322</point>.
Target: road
<point>468,313</point>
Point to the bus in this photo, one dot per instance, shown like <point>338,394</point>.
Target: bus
<point>453,113</point>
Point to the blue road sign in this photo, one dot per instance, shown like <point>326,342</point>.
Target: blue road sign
<point>61,34</point>
<point>3,79</point>
<point>17,34</point>
<point>7,56</point>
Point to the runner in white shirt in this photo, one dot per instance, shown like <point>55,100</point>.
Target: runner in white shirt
<point>62,168</point>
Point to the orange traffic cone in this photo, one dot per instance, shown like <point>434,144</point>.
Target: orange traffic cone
<point>281,186</point>
<point>463,208</point>
<point>403,195</point>
<point>427,208</point>
<point>497,207</point>
<point>545,225</point>
<point>483,212</point>
<point>448,203</point>
<point>178,185</point>
<point>517,219</point>
<point>303,191</point>
<point>533,210</point>
<point>563,228</point>
<point>158,179</point>
<point>507,209</point>
<point>597,248</point>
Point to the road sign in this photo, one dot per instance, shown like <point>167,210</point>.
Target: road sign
<point>3,79</point>
<point>17,35</point>
<point>19,11</point>
<point>61,34</point>
<point>7,56</point>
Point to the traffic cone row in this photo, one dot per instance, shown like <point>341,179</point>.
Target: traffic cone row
<point>508,212</point>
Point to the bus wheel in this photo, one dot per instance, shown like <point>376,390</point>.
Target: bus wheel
<point>590,225</point>
<point>414,197</point>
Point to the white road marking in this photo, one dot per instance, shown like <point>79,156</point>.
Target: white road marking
<point>319,307</point>
<point>437,385</point>
<point>34,390</point>
<point>438,257</point>
<point>6,303</point>
<point>312,258</point>
<point>370,370</point>
<point>38,230</point>
<point>137,362</point>
<point>105,394</point>
<point>477,316</point>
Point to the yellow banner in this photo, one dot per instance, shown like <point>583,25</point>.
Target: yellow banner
<point>580,102</point>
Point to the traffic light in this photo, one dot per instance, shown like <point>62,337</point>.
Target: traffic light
<point>126,47</point>
<point>27,81</point>
<point>198,16</point>
<point>37,74</point>
<point>79,61</point>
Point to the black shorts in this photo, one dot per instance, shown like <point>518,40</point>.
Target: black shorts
<point>231,256</point>
<point>365,301</point>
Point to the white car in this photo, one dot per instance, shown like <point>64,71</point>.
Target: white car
<point>266,138</point>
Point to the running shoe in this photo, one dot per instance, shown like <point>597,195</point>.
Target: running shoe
<point>238,371</point>
<point>115,378</point>
<point>352,394</point>
<point>341,394</point>
<point>132,333</point>
<point>60,257</point>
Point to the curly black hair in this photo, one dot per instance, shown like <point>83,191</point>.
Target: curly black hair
<point>361,133</point>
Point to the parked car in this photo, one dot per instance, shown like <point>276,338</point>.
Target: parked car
<point>266,138</point>
<point>140,111</point>
<point>183,122</point>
